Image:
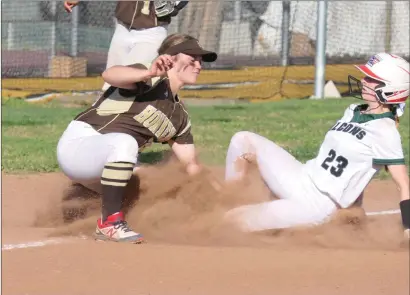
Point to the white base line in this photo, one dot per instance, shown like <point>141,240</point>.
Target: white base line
<point>387,212</point>
<point>31,244</point>
<point>63,241</point>
<point>39,243</point>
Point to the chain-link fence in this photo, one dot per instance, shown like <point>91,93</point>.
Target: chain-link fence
<point>244,33</point>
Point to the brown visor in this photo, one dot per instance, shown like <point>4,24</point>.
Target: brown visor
<point>192,47</point>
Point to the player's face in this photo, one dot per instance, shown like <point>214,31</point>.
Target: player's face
<point>189,68</point>
<point>368,88</point>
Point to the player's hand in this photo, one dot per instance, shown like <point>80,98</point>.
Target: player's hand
<point>161,65</point>
<point>69,5</point>
<point>250,157</point>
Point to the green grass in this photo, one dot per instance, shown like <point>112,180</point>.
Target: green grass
<point>30,132</point>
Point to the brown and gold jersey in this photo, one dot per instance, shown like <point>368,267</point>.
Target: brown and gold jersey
<point>139,15</point>
<point>149,114</point>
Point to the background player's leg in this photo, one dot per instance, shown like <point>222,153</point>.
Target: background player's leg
<point>145,45</point>
<point>119,48</point>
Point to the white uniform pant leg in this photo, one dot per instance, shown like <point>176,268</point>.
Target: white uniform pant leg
<point>280,214</point>
<point>134,46</point>
<point>83,152</point>
<point>145,45</point>
<point>300,203</point>
<point>119,48</point>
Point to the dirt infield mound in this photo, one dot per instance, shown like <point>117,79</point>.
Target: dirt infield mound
<point>167,206</point>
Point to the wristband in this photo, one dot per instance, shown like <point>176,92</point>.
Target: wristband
<point>405,213</point>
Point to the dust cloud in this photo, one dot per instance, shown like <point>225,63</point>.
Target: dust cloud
<point>168,206</point>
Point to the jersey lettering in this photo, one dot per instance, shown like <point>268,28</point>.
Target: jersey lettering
<point>351,153</point>
<point>356,131</point>
<point>156,122</point>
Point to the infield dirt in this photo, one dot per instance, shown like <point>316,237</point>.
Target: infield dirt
<point>190,249</point>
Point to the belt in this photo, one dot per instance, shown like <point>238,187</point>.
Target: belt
<point>127,26</point>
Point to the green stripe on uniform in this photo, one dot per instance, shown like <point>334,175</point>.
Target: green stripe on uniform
<point>388,161</point>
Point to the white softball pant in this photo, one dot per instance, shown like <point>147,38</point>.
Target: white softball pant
<point>299,204</point>
<point>82,152</point>
<point>134,46</point>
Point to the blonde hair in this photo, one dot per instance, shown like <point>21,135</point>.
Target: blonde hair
<point>172,40</point>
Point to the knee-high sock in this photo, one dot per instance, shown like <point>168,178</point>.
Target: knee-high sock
<point>114,180</point>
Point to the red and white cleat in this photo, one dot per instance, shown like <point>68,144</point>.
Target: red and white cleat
<point>115,229</point>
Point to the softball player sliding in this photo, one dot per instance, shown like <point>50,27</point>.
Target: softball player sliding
<point>355,148</point>
<point>99,148</point>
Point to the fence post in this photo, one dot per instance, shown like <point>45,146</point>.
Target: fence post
<point>74,32</point>
<point>389,13</point>
<point>52,38</point>
<point>10,36</point>
<point>53,29</point>
<point>237,9</point>
<point>320,62</point>
<point>285,32</point>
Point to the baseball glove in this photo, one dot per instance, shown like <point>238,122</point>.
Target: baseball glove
<point>164,8</point>
<point>168,8</point>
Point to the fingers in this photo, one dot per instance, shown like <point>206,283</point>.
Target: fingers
<point>165,61</point>
<point>248,157</point>
<point>69,5</point>
<point>159,66</point>
<point>162,64</point>
<point>167,58</point>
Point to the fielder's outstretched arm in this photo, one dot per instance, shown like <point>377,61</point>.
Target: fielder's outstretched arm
<point>126,77</point>
<point>186,153</point>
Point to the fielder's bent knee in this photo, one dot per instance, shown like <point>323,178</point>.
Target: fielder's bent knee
<point>125,149</point>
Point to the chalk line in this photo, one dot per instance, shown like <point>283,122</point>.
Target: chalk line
<point>31,244</point>
<point>41,243</point>
<point>387,212</point>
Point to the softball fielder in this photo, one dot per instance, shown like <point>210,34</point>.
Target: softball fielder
<point>100,146</point>
<point>355,148</point>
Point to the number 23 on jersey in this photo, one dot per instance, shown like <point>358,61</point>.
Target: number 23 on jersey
<point>336,163</point>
